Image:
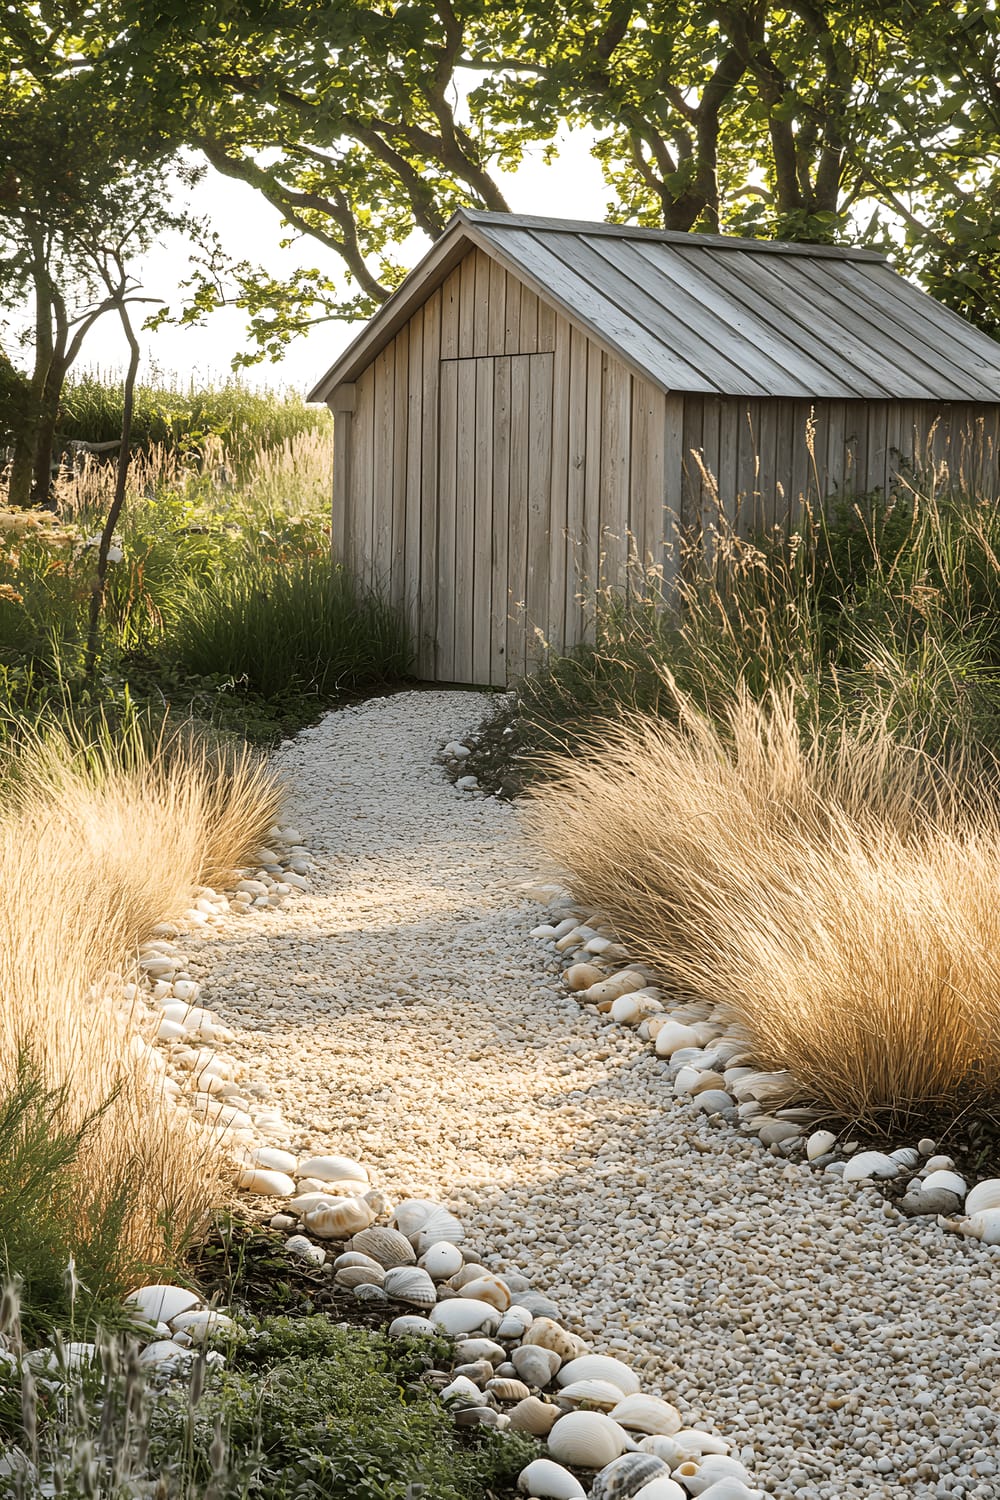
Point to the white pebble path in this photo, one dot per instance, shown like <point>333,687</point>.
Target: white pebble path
<point>401,1014</point>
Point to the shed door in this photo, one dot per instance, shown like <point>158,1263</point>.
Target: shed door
<point>494,482</point>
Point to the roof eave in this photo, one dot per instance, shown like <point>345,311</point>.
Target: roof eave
<point>442,257</point>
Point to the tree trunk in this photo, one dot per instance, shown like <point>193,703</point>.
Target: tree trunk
<point>25,442</point>
<point>100,582</point>
<point>45,433</point>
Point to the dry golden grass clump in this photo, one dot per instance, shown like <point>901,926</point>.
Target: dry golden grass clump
<point>96,848</point>
<point>838,894</point>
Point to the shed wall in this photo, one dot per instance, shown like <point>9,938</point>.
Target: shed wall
<point>499,466</point>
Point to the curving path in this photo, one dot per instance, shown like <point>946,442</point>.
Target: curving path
<point>402,1013</point>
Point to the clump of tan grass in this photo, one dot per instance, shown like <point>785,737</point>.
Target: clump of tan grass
<point>98,844</point>
<point>838,893</point>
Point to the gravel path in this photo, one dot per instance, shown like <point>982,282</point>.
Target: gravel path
<point>402,1014</point>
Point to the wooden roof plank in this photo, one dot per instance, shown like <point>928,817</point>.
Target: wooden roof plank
<point>734,366</point>
<point>791,370</point>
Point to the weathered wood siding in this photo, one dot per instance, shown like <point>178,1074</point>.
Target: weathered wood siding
<point>495,467</point>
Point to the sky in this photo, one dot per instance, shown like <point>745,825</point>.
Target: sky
<point>571,187</point>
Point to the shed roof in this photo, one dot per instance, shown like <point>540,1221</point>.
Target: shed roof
<point>716,314</point>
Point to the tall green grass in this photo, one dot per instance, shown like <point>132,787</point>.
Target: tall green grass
<point>298,627</point>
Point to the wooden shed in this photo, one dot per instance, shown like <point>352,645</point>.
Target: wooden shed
<point>543,404</point>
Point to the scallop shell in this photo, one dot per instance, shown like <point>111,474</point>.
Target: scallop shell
<point>354,1258</point>
<point>534,1416</point>
<point>549,1481</point>
<point>730,1488</point>
<point>627,1475</point>
<point>661,1488</point>
<point>693,1443</point>
<point>508,1390</point>
<point>535,1364</point>
<point>441,1260</point>
<point>587,1440</point>
<point>339,1220</point>
<point>333,1169</point>
<point>647,1414</point>
<point>599,1367</point>
<point>591,1395</point>
<point>548,1334</point>
<point>985,1194</point>
<point>411,1214</point>
<point>464,1315</point>
<point>488,1289</point>
<point>360,1276</point>
<point>701,1475</point>
<point>366,1292</point>
<point>949,1181</point>
<point>410,1325</point>
<point>387,1246</point>
<point>410,1284</point>
<point>869,1164</point>
<point>438,1226</point>
<point>467,1271</point>
<point>984,1225</point>
<point>663,1447</point>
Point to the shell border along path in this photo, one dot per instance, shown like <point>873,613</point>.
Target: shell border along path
<point>398,1015</point>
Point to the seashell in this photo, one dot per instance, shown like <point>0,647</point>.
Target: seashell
<point>663,1447</point>
<point>387,1246</point>
<point>306,1203</point>
<point>819,1143</point>
<point>478,1371</point>
<point>587,1440</point>
<point>535,1364</point>
<point>549,1481</point>
<point>869,1164</point>
<point>509,1390</point>
<point>469,1350</point>
<point>730,1488</point>
<point>600,1367</point>
<point>464,1315</point>
<point>661,1488</point>
<point>410,1215</point>
<point>468,1272</point>
<point>984,1225</point>
<point>548,1334</point>
<point>465,1390</point>
<point>410,1284</point>
<point>591,1395</point>
<point>198,1325</point>
<point>985,1194</point>
<point>304,1249</point>
<point>515,1323</point>
<point>442,1260</point>
<point>161,1302</point>
<point>697,1477</point>
<point>333,1169</point>
<point>378,1201</point>
<point>949,1181</point>
<point>367,1292</point>
<point>905,1157</point>
<point>630,1010</point>
<point>672,1036</point>
<point>440,1225</point>
<point>409,1325</point>
<point>626,1476</point>
<point>351,1276</point>
<point>340,1219</point>
<point>534,1416</point>
<point>265,1183</point>
<point>488,1289</point>
<point>354,1258</point>
<point>647,1414</point>
<point>693,1443</point>
<point>939,1164</point>
<point>277,1161</point>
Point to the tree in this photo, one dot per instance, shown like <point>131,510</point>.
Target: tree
<point>872,120</point>
<point>80,189</point>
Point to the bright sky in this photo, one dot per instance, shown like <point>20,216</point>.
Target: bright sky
<point>572,187</point>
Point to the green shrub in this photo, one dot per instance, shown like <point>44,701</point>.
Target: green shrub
<point>299,627</point>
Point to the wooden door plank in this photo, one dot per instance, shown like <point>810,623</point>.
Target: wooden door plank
<point>528,331</point>
<point>615,460</point>
<point>590,549</point>
<point>482,516</point>
<point>467,306</point>
<point>512,316</point>
<point>465,520</point>
<point>481,305</point>
<point>575,487</point>
<point>643,419</point>
<point>414,474</point>
<point>400,446</point>
<point>426,641</point>
<point>728,456</point>
<point>451,290</point>
<point>385,411</point>
<point>500,486</point>
<point>787,415</point>
<point>498,308</point>
<point>546,327</point>
<point>358,548</point>
<point>444,661</point>
<point>540,376</point>
<point>768,472</point>
<point>748,423</point>
<point>693,488</point>
<point>555,623</point>
<point>517,517</point>
<point>342,456</point>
